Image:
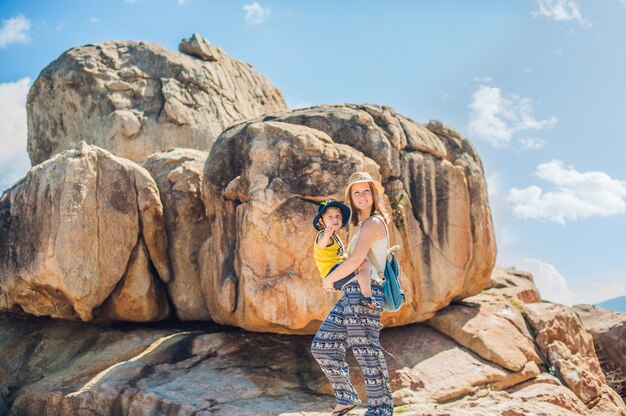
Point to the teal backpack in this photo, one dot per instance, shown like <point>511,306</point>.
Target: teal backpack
<point>390,276</point>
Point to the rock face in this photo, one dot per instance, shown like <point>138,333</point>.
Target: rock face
<point>178,175</point>
<point>240,239</point>
<point>83,236</point>
<point>493,328</point>
<point>137,98</point>
<point>264,178</point>
<point>514,285</point>
<point>608,329</point>
<point>569,348</point>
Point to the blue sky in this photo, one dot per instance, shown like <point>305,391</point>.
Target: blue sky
<point>538,86</point>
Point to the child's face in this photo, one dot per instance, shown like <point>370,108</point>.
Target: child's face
<point>332,218</point>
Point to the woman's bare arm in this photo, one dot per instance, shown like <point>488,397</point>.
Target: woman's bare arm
<point>373,229</point>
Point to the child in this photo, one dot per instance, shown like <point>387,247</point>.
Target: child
<point>329,251</point>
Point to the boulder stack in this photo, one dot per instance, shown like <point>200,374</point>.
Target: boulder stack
<point>137,98</point>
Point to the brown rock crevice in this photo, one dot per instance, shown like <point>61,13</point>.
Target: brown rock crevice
<point>178,175</point>
<point>151,222</point>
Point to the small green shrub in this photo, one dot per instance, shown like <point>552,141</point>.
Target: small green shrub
<point>397,211</point>
<point>515,303</point>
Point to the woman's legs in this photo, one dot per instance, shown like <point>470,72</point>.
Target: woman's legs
<point>363,329</point>
<point>329,349</point>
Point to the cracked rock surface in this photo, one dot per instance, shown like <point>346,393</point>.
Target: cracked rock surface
<point>59,367</point>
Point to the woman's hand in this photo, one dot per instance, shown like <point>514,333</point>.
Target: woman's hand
<point>328,285</point>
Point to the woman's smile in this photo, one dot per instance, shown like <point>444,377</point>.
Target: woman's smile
<point>361,195</point>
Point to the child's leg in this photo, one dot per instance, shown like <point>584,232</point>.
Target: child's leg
<point>365,279</point>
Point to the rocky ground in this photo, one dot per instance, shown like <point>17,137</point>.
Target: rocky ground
<point>492,354</point>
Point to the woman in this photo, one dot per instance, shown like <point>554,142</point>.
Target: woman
<point>348,323</point>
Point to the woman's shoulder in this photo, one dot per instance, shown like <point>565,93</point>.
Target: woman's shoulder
<point>376,222</point>
<point>376,219</point>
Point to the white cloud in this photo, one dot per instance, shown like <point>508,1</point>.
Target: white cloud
<point>14,161</point>
<point>493,184</point>
<point>551,284</point>
<point>553,287</point>
<point>301,104</point>
<point>507,234</point>
<point>532,143</point>
<point>528,70</point>
<point>576,195</point>
<point>255,13</point>
<point>560,11</point>
<point>447,96</point>
<point>494,118</point>
<point>483,79</point>
<point>182,2</point>
<point>14,30</point>
<point>601,292</point>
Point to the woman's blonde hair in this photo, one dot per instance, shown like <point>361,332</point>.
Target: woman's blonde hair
<point>377,207</point>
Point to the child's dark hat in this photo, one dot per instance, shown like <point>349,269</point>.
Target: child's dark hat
<point>345,212</point>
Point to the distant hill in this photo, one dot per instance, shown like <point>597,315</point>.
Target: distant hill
<point>617,304</point>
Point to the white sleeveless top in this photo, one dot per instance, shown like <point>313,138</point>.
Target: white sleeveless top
<point>379,248</point>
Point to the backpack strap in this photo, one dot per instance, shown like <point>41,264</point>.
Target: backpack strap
<point>372,258</point>
<point>389,248</point>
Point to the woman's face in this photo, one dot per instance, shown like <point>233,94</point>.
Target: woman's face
<point>362,195</point>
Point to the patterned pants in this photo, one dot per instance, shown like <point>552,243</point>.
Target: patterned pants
<point>349,324</point>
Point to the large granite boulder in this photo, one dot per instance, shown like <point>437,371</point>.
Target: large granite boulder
<point>261,185</point>
<point>137,98</point>
<point>264,178</point>
<point>178,174</point>
<point>83,236</point>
